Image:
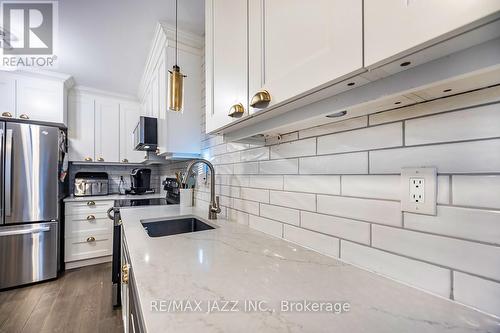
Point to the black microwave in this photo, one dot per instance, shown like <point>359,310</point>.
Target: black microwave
<point>146,134</point>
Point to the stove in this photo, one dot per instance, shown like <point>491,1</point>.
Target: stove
<point>141,202</point>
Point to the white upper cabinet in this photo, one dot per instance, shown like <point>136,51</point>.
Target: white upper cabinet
<point>30,97</point>
<point>226,50</point>
<point>39,99</point>
<point>129,118</point>
<point>7,95</point>
<point>296,46</point>
<point>107,130</point>
<point>395,26</point>
<point>81,128</point>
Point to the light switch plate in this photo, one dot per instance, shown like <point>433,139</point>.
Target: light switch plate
<point>419,190</point>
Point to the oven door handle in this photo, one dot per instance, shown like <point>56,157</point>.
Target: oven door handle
<point>111,217</point>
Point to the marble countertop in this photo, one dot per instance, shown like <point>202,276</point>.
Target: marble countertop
<point>229,269</point>
<point>72,198</point>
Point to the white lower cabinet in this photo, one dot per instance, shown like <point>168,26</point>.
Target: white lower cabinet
<point>88,233</point>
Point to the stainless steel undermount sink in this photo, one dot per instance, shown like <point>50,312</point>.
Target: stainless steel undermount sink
<point>160,228</point>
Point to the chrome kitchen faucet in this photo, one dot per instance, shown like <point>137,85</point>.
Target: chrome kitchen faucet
<point>214,207</point>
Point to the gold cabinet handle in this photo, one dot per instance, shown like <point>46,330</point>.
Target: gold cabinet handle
<point>90,217</point>
<point>24,116</point>
<point>125,269</point>
<point>237,110</point>
<point>90,239</point>
<point>88,159</point>
<point>90,203</point>
<point>7,114</point>
<point>100,159</point>
<point>124,160</point>
<point>261,99</point>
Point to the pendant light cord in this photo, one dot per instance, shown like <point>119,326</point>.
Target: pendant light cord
<point>176,51</point>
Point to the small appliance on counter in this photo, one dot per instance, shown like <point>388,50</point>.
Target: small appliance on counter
<point>91,184</point>
<point>140,181</point>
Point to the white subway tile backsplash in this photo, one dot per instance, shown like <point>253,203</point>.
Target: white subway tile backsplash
<point>472,224</point>
<point>256,154</point>
<point>336,226</point>
<point>279,167</point>
<point>287,215</point>
<point>353,163</point>
<point>378,211</point>
<point>383,136</point>
<point>312,184</point>
<point>251,168</point>
<point>322,243</point>
<point>224,169</point>
<point>238,180</point>
<point>443,190</point>
<point>412,272</point>
<point>237,216</point>
<point>372,186</point>
<point>234,146</point>
<point>334,127</point>
<point>480,259</point>
<point>475,123</point>
<point>295,200</point>
<point>477,191</point>
<point>479,293</point>
<point>250,207</point>
<point>267,226</point>
<point>298,148</point>
<point>218,150</point>
<point>464,157</point>
<point>267,182</point>
<point>254,194</point>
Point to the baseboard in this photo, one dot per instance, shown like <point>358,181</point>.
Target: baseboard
<point>87,262</point>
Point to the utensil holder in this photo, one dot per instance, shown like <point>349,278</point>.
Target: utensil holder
<point>186,197</point>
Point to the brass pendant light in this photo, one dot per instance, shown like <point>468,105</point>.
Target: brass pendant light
<point>176,80</point>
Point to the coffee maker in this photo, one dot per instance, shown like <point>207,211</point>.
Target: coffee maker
<point>140,181</point>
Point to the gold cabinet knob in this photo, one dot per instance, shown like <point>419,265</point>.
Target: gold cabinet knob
<point>124,160</point>
<point>237,110</point>
<point>90,239</point>
<point>24,116</point>
<point>90,217</point>
<point>261,99</point>
<point>88,159</point>
<point>100,159</point>
<point>7,114</point>
<point>125,269</point>
<point>90,203</point>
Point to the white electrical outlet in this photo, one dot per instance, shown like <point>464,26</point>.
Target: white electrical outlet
<point>419,190</point>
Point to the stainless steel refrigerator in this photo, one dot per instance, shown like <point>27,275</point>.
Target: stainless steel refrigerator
<point>29,203</point>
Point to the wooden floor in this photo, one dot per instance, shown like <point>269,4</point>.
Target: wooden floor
<point>79,301</point>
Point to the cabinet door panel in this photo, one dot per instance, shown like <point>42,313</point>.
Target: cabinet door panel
<point>161,71</point>
<point>41,100</point>
<point>7,94</point>
<point>393,26</point>
<point>107,137</point>
<point>302,45</point>
<point>80,128</point>
<point>227,58</point>
<point>129,117</point>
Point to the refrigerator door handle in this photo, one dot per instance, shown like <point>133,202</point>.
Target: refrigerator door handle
<point>24,231</point>
<point>8,171</point>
